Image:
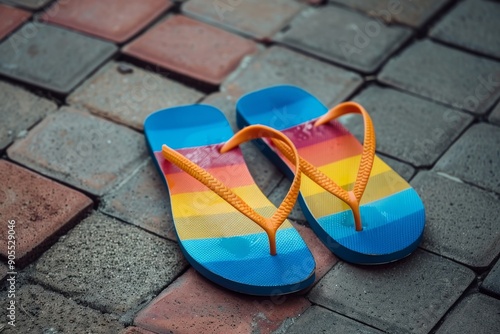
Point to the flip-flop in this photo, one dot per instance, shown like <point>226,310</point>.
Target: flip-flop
<point>360,208</point>
<point>223,237</point>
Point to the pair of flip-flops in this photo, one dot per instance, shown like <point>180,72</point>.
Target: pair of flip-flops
<point>229,231</point>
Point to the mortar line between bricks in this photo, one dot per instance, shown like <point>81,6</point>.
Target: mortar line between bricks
<point>73,297</point>
<point>348,317</point>
<point>139,227</point>
<point>462,49</point>
<point>436,17</point>
<point>386,85</point>
<point>477,270</point>
<point>473,288</point>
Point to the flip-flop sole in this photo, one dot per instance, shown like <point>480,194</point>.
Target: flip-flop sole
<point>221,243</point>
<point>392,213</point>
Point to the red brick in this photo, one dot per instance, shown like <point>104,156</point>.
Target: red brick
<point>85,151</point>
<point>260,19</point>
<point>111,19</point>
<point>192,304</point>
<point>40,207</point>
<point>191,48</point>
<point>10,19</point>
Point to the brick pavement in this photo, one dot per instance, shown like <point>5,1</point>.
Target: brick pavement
<point>97,251</point>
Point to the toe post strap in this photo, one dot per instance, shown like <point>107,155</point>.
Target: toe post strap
<point>269,225</point>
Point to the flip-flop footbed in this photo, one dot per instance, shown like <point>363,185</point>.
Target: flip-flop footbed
<point>392,214</point>
<point>220,242</point>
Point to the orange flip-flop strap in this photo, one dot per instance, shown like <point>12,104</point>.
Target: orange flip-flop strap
<point>270,225</point>
<point>351,198</point>
<point>368,155</point>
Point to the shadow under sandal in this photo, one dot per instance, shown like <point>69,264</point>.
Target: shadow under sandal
<point>360,208</point>
<point>219,213</point>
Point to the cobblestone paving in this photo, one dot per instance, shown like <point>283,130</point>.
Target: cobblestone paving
<point>97,251</point>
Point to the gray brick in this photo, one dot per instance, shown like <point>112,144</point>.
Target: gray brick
<point>492,281</point>
<point>143,200</point>
<point>265,174</point>
<point>30,4</point>
<point>405,170</point>
<point>278,65</point>
<point>473,25</point>
<point>50,57</point>
<point>319,320</point>
<point>475,314</point>
<point>451,208</point>
<point>127,94</point>
<point>20,110</point>
<point>409,12</point>
<point>495,115</point>
<point>42,311</point>
<point>80,149</point>
<point>407,127</point>
<point>109,265</point>
<point>245,17</point>
<point>407,296</point>
<point>3,271</point>
<point>445,75</point>
<point>475,157</point>
<point>344,37</point>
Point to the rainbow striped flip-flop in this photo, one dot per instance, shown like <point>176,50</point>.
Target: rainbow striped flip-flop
<point>226,239</point>
<point>360,208</point>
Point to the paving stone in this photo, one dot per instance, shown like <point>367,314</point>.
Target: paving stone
<point>3,271</point>
<point>40,208</point>
<point>451,208</point>
<point>407,127</point>
<point>264,172</point>
<point>319,320</point>
<point>127,94</point>
<point>475,314</point>
<point>20,110</point>
<point>50,57</point>
<point>193,304</point>
<point>445,75</point>
<point>475,157</point>
<point>135,330</point>
<point>42,311</point>
<point>472,25</point>
<point>345,37</point>
<point>30,4</point>
<point>412,13</point>
<point>80,149</point>
<point>410,295</point>
<point>110,19</point>
<point>260,19</point>
<point>404,170</point>
<point>492,281</point>
<point>495,115</point>
<point>10,19</point>
<point>109,265</point>
<point>277,66</point>
<point>191,48</point>
<point>143,201</point>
